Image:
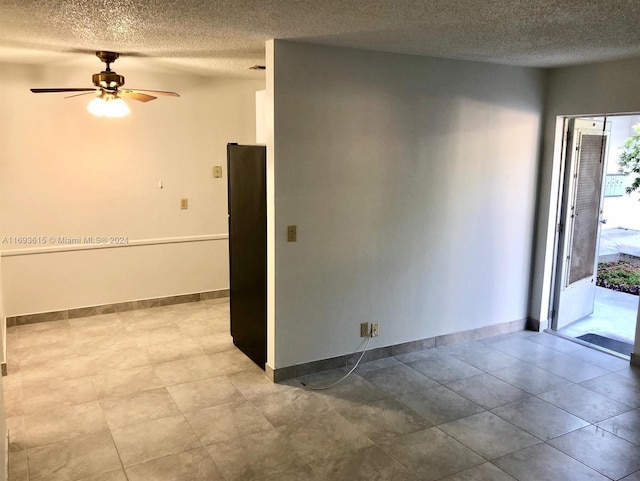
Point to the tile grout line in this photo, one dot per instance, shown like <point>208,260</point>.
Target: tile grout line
<point>590,424</point>
<point>117,452</point>
<point>391,396</point>
<point>517,427</point>
<point>93,387</point>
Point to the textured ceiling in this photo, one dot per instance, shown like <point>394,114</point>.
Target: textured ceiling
<point>227,36</point>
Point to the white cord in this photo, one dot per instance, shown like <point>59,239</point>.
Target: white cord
<point>322,388</point>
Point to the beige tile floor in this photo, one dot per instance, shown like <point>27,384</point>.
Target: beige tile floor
<point>163,395</point>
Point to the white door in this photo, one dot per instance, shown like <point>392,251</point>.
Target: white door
<point>581,217</point>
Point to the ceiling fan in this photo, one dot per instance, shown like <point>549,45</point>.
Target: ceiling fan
<point>108,83</point>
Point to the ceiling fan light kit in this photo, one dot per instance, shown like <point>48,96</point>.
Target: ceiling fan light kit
<point>108,85</point>
<point>107,105</point>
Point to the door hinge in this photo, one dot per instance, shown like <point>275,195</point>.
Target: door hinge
<point>552,314</point>
<point>559,227</point>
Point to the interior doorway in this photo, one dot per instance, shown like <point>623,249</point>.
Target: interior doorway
<point>598,228</point>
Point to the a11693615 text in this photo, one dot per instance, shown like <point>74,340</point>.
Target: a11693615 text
<point>34,240</point>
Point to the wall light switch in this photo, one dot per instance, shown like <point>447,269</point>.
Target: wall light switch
<point>184,204</point>
<point>217,171</point>
<point>292,233</point>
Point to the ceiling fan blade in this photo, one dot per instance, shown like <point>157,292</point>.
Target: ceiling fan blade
<point>78,95</point>
<point>156,92</point>
<point>135,95</point>
<point>45,91</point>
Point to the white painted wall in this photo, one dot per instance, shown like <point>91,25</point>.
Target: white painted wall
<point>271,204</point>
<point>64,172</point>
<point>62,280</point>
<point>3,323</point>
<point>3,422</point>
<point>636,345</point>
<point>261,117</point>
<point>603,88</point>
<point>412,182</point>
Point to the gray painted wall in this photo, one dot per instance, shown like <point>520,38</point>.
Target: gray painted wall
<point>413,185</point>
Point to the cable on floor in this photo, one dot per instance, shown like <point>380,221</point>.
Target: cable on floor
<point>323,388</point>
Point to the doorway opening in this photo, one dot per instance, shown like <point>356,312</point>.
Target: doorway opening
<point>598,236</point>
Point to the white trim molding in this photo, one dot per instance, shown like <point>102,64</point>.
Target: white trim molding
<point>74,244</point>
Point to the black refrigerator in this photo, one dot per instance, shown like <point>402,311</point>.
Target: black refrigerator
<point>247,204</point>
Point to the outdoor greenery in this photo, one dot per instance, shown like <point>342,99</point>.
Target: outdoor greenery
<point>629,159</point>
<point>620,276</point>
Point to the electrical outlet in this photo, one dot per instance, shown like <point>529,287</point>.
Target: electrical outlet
<point>364,329</point>
<point>184,204</point>
<point>374,329</point>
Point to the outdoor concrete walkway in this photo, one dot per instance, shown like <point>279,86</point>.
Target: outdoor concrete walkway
<point>614,313</point>
<point>617,241</point>
<point>614,316</point>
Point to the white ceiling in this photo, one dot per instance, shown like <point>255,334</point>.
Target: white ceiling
<point>226,36</point>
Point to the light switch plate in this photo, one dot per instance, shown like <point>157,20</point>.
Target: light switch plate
<point>184,204</point>
<point>292,233</point>
<point>217,171</point>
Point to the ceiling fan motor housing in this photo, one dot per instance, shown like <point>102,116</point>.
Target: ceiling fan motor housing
<point>108,80</point>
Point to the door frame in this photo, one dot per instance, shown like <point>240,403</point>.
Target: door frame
<point>564,231</point>
<point>553,237</point>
